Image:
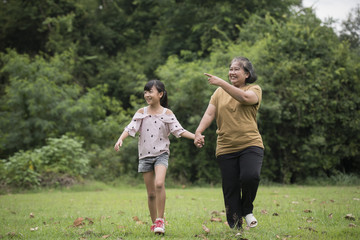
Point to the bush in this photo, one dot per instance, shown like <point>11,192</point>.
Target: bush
<point>65,156</point>
<point>20,170</point>
<point>61,162</point>
<point>337,179</point>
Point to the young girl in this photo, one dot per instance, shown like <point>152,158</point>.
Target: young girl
<point>154,123</point>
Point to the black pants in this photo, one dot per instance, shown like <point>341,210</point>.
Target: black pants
<point>240,172</point>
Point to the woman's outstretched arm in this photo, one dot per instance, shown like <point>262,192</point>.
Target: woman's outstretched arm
<point>205,122</point>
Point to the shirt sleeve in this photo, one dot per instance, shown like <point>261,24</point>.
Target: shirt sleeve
<point>214,98</point>
<point>257,90</point>
<point>135,124</point>
<point>173,124</point>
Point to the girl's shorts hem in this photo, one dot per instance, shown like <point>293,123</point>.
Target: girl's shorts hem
<point>148,164</point>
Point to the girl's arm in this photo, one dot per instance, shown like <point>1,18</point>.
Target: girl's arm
<point>119,142</point>
<point>188,135</point>
<point>205,122</point>
<point>133,128</point>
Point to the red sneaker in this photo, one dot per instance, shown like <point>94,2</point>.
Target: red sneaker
<point>152,228</point>
<point>159,226</point>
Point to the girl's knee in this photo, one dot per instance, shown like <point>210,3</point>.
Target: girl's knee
<point>159,185</point>
<point>151,195</point>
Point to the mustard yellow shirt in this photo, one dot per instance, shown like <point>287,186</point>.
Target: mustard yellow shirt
<point>236,123</point>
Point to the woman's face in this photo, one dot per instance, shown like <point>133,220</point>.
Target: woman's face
<point>153,96</point>
<point>237,75</point>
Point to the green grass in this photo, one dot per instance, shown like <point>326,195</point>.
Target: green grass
<point>112,210</point>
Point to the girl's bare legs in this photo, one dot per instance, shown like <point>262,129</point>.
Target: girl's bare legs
<point>149,179</point>
<point>155,186</point>
<point>160,174</point>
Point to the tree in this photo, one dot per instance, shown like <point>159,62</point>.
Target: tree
<point>309,114</point>
<point>42,101</point>
<point>351,29</point>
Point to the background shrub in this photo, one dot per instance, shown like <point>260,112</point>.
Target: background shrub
<point>62,161</point>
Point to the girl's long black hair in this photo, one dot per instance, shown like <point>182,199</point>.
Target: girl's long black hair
<point>161,88</point>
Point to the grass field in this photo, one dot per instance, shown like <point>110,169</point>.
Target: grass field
<point>284,212</point>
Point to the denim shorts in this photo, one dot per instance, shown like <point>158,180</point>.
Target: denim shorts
<point>148,164</point>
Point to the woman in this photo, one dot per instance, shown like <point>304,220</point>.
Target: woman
<point>240,149</point>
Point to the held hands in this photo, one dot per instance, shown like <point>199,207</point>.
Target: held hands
<point>199,140</point>
<point>214,80</point>
<point>118,144</point>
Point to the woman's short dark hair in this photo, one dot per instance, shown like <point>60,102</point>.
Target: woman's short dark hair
<point>248,68</point>
<point>161,88</point>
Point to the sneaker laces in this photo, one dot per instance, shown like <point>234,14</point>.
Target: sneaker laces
<point>159,223</point>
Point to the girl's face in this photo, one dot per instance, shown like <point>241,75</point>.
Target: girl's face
<point>237,75</point>
<point>153,96</point>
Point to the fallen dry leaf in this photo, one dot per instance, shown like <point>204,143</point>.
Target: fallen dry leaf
<point>356,199</point>
<point>90,220</point>
<point>32,215</point>
<point>307,211</point>
<point>264,211</point>
<point>310,219</point>
<point>138,221</point>
<point>352,225</point>
<point>78,222</point>
<point>350,217</point>
<point>295,202</point>
<point>214,219</point>
<point>330,215</point>
<point>207,230</point>
<point>106,236</point>
<point>34,229</point>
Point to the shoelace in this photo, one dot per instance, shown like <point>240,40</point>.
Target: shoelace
<point>159,223</point>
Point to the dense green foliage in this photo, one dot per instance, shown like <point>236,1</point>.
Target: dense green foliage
<point>60,162</point>
<point>78,68</point>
